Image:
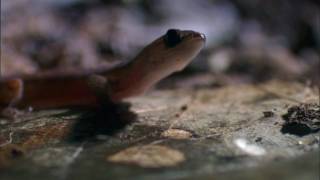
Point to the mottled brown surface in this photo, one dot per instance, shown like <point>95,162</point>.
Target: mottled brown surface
<point>216,131</point>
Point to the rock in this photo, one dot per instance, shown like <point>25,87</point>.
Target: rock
<point>302,119</point>
<point>149,156</point>
<point>176,134</point>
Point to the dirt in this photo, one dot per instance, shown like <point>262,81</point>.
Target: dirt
<point>222,132</point>
<point>302,119</point>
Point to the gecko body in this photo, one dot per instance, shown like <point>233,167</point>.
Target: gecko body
<point>169,53</point>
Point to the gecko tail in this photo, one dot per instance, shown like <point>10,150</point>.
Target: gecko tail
<point>46,93</point>
<point>11,91</point>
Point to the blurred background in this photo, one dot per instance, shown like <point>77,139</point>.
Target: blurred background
<point>248,41</point>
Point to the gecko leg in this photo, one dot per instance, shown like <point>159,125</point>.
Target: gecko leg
<point>101,88</point>
<point>11,93</point>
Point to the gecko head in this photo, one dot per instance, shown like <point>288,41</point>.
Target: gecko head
<point>181,46</point>
<point>175,49</point>
<point>168,54</point>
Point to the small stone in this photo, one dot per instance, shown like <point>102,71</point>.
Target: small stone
<point>3,122</point>
<point>101,137</point>
<point>259,139</point>
<point>268,114</point>
<point>249,148</point>
<point>149,156</point>
<point>176,134</point>
<point>184,107</point>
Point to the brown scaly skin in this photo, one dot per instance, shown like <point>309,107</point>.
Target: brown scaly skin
<point>167,54</point>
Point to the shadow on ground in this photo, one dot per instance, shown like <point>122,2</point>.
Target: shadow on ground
<point>106,119</point>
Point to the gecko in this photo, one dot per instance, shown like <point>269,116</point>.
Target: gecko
<point>169,53</point>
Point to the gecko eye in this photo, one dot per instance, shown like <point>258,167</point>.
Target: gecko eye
<point>172,38</point>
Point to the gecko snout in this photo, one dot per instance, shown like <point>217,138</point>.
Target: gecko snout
<point>199,36</point>
<point>203,36</point>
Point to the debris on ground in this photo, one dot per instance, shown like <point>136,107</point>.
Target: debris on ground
<point>302,119</point>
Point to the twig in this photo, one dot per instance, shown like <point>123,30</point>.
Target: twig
<point>278,95</point>
<point>8,142</point>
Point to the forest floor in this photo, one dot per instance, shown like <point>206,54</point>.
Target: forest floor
<point>241,131</point>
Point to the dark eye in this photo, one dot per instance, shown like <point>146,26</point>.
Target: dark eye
<point>172,38</point>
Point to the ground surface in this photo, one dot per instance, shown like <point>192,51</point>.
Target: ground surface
<point>228,132</point>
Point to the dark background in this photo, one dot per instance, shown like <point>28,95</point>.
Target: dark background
<point>247,40</point>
